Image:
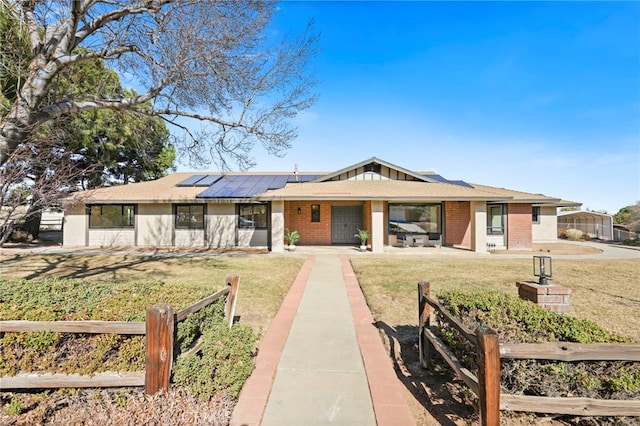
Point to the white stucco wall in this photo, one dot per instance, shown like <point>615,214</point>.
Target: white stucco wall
<point>377,226</point>
<point>547,228</point>
<point>478,226</point>
<point>221,225</point>
<point>155,224</point>
<point>116,237</point>
<point>277,226</point>
<point>74,228</point>
<point>249,237</point>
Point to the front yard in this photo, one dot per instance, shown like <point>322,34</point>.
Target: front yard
<point>119,287</point>
<point>604,291</point>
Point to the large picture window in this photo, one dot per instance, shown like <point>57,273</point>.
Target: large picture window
<point>495,220</point>
<point>252,216</point>
<point>112,216</point>
<point>415,218</point>
<point>189,216</point>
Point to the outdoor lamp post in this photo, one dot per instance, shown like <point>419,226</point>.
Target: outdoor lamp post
<point>542,268</point>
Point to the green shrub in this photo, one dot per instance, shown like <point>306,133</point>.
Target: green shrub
<point>223,363</point>
<point>15,407</point>
<point>631,242</point>
<point>225,360</point>
<point>519,321</point>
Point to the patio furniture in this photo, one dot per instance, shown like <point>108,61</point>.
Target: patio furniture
<point>434,239</point>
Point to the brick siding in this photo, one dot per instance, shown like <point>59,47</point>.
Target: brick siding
<point>519,226</point>
<point>458,224</point>
<point>318,233</point>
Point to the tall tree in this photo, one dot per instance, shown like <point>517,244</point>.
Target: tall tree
<point>92,148</point>
<point>201,59</point>
<point>629,216</point>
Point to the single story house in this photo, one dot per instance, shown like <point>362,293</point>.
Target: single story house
<point>396,205</point>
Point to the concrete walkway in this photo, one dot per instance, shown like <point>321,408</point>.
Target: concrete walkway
<point>321,362</point>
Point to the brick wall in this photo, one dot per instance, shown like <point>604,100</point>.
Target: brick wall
<point>458,224</point>
<point>519,226</point>
<point>317,233</point>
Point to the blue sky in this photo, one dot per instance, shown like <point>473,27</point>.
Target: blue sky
<point>541,97</point>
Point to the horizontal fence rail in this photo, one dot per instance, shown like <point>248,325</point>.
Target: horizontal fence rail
<point>487,384</point>
<point>52,380</point>
<point>159,329</point>
<point>567,351</point>
<point>88,327</point>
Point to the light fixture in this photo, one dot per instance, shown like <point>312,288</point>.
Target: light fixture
<point>542,268</point>
<point>299,210</point>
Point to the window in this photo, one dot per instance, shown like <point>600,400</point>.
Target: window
<point>189,216</point>
<point>535,214</point>
<point>315,212</point>
<point>495,220</point>
<point>252,216</point>
<point>111,216</point>
<point>415,218</point>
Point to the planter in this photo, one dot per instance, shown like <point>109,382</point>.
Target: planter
<point>291,247</point>
<point>363,248</point>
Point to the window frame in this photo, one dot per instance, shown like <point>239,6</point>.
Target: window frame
<point>439,222</point>
<point>315,212</point>
<point>127,221</point>
<point>253,215</point>
<point>535,214</point>
<point>191,224</point>
<point>491,229</point>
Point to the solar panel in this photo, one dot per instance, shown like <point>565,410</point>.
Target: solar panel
<point>208,180</point>
<point>191,180</point>
<point>278,182</point>
<point>444,180</point>
<point>242,186</point>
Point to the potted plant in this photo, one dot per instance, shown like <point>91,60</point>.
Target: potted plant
<point>363,235</point>
<point>292,238</point>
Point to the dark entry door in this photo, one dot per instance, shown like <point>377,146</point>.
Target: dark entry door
<point>345,222</point>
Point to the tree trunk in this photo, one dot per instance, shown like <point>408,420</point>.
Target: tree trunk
<point>32,223</point>
<point>14,128</point>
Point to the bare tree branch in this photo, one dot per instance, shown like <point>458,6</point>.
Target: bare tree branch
<point>211,61</point>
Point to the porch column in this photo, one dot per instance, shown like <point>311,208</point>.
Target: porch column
<point>277,226</point>
<point>478,226</point>
<point>377,226</point>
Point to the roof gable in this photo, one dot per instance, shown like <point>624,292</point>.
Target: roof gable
<point>374,169</point>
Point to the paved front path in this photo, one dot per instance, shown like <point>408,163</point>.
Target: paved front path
<point>320,378</point>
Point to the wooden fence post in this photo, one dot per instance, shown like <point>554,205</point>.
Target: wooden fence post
<point>424,319</point>
<point>160,330</point>
<point>488,376</point>
<point>233,281</point>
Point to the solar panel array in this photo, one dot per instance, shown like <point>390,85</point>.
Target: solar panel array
<point>241,186</point>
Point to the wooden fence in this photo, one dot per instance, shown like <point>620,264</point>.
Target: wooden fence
<point>489,351</point>
<point>159,328</point>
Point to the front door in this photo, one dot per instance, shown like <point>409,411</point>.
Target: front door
<point>345,222</point>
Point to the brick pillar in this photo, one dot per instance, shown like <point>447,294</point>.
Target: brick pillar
<point>551,296</point>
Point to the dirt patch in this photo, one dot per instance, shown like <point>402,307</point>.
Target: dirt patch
<point>117,407</point>
<point>554,248</point>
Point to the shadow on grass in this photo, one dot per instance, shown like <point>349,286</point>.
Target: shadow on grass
<point>74,267</point>
<point>434,388</point>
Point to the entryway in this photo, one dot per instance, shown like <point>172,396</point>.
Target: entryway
<point>345,222</point>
